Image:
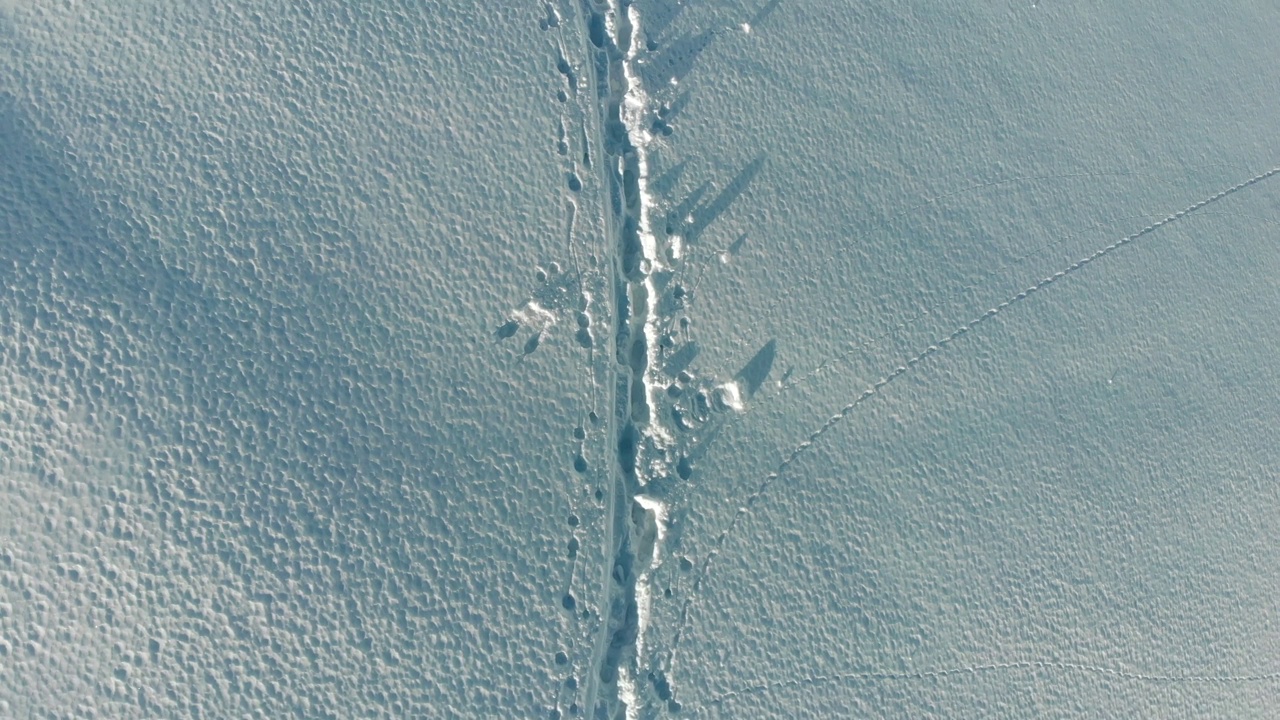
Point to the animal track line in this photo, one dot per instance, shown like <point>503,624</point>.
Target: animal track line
<point>906,366</point>
<point>996,667</point>
<point>872,341</point>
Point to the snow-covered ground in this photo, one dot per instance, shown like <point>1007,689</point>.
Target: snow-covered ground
<point>592,358</point>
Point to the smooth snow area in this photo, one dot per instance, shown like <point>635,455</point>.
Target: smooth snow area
<point>613,359</point>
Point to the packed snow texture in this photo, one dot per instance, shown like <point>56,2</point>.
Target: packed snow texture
<point>642,359</point>
<point>262,450</point>
<point>967,499</point>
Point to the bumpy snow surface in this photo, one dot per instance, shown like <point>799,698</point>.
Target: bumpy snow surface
<point>639,359</point>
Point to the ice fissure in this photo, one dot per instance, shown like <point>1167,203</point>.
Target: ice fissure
<point>619,677</point>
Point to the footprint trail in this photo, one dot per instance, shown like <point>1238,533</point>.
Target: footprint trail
<point>1018,665</point>
<point>901,370</point>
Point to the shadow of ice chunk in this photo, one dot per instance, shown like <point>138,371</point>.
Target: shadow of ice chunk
<point>665,183</point>
<point>675,61</point>
<point>756,371</point>
<point>704,216</point>
<point>507,330</point>
<point>658,16</point>
<point>681,359</point>
<point>758,19</point>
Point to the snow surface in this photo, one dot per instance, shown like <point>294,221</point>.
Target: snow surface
<point>639,359</point>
